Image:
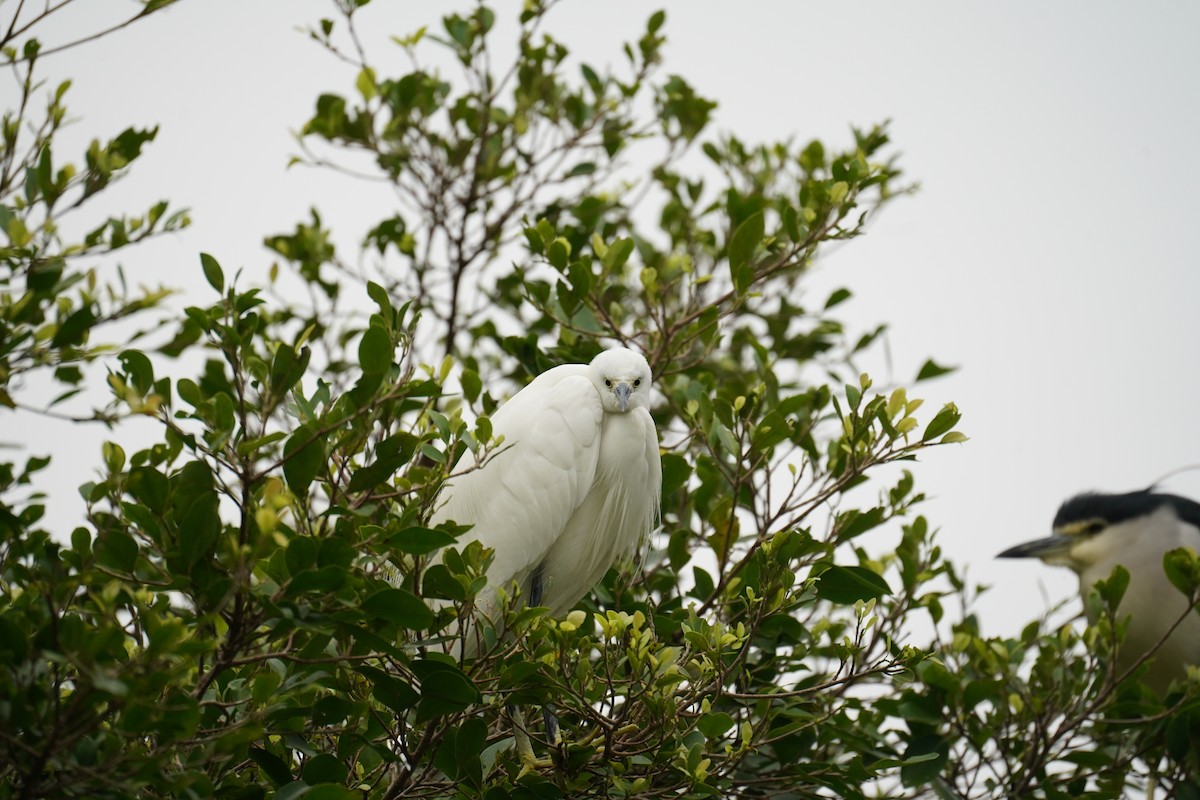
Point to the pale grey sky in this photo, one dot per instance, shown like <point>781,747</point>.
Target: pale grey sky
<point>1051,252</point>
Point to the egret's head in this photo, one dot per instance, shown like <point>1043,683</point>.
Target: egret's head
<point>1096,528</point>
<point>623,379</point>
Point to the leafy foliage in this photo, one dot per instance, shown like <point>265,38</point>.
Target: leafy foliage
<point>249,609</point>
<point>50,306</point>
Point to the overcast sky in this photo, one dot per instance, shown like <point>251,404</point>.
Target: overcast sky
<point>1051,252</point>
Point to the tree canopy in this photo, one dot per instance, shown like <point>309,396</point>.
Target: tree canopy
<point>249,609</point>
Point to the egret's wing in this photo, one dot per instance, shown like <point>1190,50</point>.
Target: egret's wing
<point>522,498</point>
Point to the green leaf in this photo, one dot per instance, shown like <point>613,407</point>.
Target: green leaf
<point>439,582</point>
<point>719,432</point>
<point>331,791</point>
<point>212,272</point>
<point>853,396</point>
<point>847,585</point>
<point>715,724</point>
<point>330,710</point>
<point>139,369</point>
<point>195,506</point>
<point>558,253</point>
<point>839,296</point>
<point>675,472</point>
<point>401,607</point>
<point>301,554</point>
<point>855,523</point>
<point>304,456</point>
<point>420,541</point>
<point>444,689</point>
<point>393,692</point>
<point>44,274</point>
<point>924,758</point>
<point>742,247</point>
<point>931,369</point>
<point>472,385</point>
<point>73,330</point>
<point>942,422</point>
<point>272,766</point>
<point>116,550</point>
<point>292,791</point>
<point>149,487</point>
<point>459,753</point>
<point>390,454</point>
<point>1183,570</point>
<point>617,254</point>
<point>375,351</point>
<point>366,83</point>
<point>325,579</point>
<point>287,368</point>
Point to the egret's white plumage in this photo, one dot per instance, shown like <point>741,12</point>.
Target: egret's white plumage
<point>575,485</point>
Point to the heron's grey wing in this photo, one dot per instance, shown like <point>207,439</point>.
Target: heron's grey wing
<point>521,499</point>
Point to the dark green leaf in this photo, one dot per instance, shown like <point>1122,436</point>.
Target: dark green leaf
<point>74,328</point>
<point>390,454</point>
<point>287,368</point>
<point>325,579</point>
<point>420,541</point>
<point>393,692</point>
<point>212,272</point>
<point>375,351</point>
<point>330,710</point>
<point>839,296</point>
<point>924,758</point>
<point>116,550</point>
<point>324,768</point>
<point>715,724</point>
<point>399,606</point>
<point>331,791</point>
<point>931,369</point>
<point>444,689</point>
<point>301,554</point>
<point>847,585</point>
<point>742,247</point>
<point>304,456</point>
<point>675,472</point>
<point>272,766</point>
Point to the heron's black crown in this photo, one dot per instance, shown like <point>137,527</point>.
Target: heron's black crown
<point>1116,508</point>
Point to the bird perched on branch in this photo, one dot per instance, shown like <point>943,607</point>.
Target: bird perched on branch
<point>1095,532</point>
<point>575,485</point>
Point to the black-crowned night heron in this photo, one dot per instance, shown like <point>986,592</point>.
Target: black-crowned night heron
<point>1095,532</point>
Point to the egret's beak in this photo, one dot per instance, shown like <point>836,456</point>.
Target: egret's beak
<point>622,391</point>
<point>1049,547</point>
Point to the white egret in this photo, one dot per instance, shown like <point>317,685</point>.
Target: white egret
<point>575,485</point>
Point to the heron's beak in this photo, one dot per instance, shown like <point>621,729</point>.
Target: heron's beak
<point>622,390</point>
<point>1046,548</point>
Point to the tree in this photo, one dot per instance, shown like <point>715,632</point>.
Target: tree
<point>250,611</point>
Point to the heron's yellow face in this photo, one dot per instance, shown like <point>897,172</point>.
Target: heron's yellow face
<point>1076,544</point>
